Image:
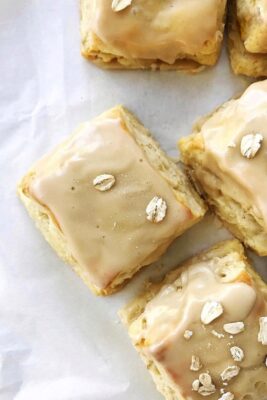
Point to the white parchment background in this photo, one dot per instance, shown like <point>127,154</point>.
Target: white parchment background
<point>57,341</point>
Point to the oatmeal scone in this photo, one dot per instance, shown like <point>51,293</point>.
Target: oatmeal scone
<point>226,157</point>
<point>202,332</point>
<point>109,200</point>
<point>144,34</point>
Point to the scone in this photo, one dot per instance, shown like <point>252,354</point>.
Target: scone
<point>226,157</point>
<point>247,37</point>
<point>144,34</point>
<point>203,331</point>
<point>109,200</point>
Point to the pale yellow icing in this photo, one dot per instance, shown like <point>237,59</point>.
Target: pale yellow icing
<point>241,178</point>
<point>177,308</point>
<point>163,30</point>
<point>108,232</point>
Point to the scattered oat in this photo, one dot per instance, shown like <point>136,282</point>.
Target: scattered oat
<point>250,145</point>
<point>188,334</point>
<point>230,372</point>
<point>262,336</point>
<point>119,5</point>
<point>205,379</point>
<point>266,361</point>
<point>156,210</point>
<point>203,385</point>
<point>195,364</point>
<point>211,311</point>
<point>195,385</point>
<point>234,327</point>
<point>206,390</point>
<point>227,396</point>
<point>104,182</point>
<point>237,353</point>
<point>217,334</point>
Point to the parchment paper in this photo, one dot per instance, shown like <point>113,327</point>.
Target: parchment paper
<point>58,341</point>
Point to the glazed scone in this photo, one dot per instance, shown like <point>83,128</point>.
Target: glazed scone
<point>109,200</point>
<point>226,157</point>
<point>245,61</point>
<point>144,34</point>
<point>203,331</point>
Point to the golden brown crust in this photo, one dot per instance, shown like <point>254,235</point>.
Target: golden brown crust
<point>176,179</point>
<point>242,62</point>
<point>94,49</point>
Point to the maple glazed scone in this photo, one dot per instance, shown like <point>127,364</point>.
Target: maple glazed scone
<point>247,37</point>
<point>203,331</point>
<point>227,157</point>
<point>109,200</point>
<point>169,34</point>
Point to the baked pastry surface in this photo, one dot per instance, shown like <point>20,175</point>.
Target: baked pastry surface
<point>180,34</point>
<point>109,200</point>
<point>247,37</point>
<point>226,157</point>
<point>252,18</point>
<point>200,332</point>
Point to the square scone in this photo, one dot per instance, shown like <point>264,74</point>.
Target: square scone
<point>202,332</point>
<point>109,200</point>
<point>226,156</point>
<point>144,34</point>
<point>247,37</point>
